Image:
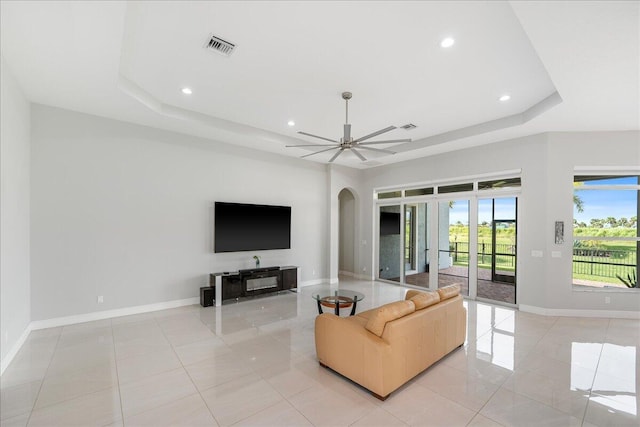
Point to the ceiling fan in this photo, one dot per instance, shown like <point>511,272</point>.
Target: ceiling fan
<point>347,142</point>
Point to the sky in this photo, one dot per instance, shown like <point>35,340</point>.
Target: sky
<point>601,204</point>
<point>505,209</point>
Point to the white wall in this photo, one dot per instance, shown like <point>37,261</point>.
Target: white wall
<point>547,162</point>
<point>126,212</point>
<point>14,213</point>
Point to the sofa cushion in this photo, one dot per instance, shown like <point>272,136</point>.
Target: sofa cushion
<point>366,314</point>
<point>387,313</point>
<point>449,292</point>
<point>422,299</point>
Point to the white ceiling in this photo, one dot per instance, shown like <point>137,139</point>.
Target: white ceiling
<point>568,66</point>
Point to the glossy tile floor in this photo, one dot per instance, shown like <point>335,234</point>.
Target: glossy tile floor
<point>253,363</point>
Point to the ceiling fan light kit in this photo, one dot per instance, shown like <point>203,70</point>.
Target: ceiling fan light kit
<point>347,142</point>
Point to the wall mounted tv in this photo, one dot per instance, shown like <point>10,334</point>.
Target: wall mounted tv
<point>243,227</point>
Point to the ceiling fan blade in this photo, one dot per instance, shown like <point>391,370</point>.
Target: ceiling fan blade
<point>389,141</point>
<point>311,145</point>
<point>371,135</point>
<point>316,136</point>
<point>357,153</point>
<point>335,156</point>
<point>376,150</point>
<point>317,152</point>
<point>347,132</point>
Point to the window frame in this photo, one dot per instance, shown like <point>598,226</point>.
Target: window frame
<point>603,173</point>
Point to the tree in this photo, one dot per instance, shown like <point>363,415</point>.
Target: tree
<point>579,204</point>
<point>577,201</point>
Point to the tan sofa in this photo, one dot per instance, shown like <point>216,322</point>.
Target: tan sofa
<point>383,348</point>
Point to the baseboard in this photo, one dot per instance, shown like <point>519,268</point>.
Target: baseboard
<point>346,273</point>
<point>107,314</point>
<point>312,282</point>
<point>563,312</point>
<point>15,349</point>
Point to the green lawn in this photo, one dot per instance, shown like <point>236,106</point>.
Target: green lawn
<point>603,268</point>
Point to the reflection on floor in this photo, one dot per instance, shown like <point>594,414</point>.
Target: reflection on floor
<point>253,363</point>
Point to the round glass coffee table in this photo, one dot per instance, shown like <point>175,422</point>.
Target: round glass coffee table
<point>337,300</point>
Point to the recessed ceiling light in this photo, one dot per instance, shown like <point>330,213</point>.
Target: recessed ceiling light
<point>187,91</point>
<point>447,42</point>
<point>504,98</point>
<point>291,123</point>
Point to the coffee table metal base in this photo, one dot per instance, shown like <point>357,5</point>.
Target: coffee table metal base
<point>344,302</point>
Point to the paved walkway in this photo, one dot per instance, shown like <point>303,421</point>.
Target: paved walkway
<point>496,291</point>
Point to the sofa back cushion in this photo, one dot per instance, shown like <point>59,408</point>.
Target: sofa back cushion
<point>449,292</point>
<point>422,299</point>
<point>387,313</point>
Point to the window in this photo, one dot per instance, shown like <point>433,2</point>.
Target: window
<point>455,188</point>
<point>605,230</point>
<point>418,192</point>
<point>499,183</point>
<point>389,195</point>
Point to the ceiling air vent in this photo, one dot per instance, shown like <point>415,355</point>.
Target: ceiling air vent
<point>408,126</point>
<point>220,46</point>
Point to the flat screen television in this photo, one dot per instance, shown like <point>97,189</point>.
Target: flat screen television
<point>244,227</point>
<point>389,223</point>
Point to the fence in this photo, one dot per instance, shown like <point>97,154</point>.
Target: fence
<point>603,262</point>
<point>591,262</point>
<point>505,253</point>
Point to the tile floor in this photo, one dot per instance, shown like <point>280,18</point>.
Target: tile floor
<point>253,363</point>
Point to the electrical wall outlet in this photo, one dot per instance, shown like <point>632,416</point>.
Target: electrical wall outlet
<point>100,299</point>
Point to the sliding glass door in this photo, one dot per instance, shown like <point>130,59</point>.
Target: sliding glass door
<point>462,234</point>
<point>417,244</point>
<point>497,249</point>
<point>389,243</point>
<point>453,244</point>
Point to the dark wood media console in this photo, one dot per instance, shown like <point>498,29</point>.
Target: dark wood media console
<point>254,281</point>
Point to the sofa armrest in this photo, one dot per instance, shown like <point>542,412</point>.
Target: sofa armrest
<point>344,345</point>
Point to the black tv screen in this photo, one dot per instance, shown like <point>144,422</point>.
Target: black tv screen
<point>243,227</point>
<point>389,223</point>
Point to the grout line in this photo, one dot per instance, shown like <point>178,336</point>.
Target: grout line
<point>55,348</point>
<point>186,371</point>
<point>115,361</point>
<point>584,414</point>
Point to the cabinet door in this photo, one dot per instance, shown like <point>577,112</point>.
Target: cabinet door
<point>290,279</point>
<point>231,287</point>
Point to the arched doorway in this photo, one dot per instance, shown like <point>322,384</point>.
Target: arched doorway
<point>346,233</point>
